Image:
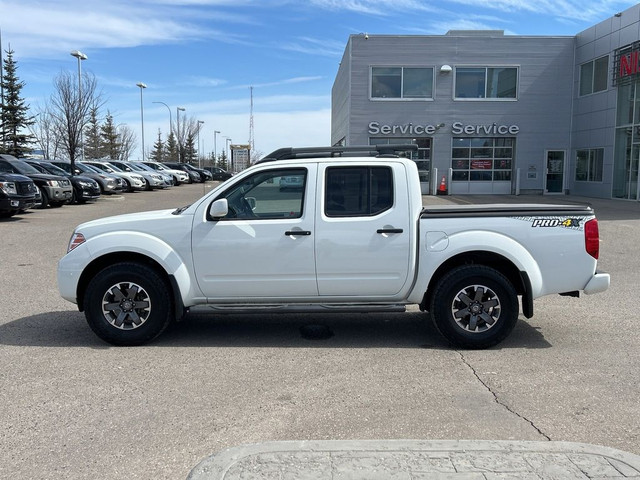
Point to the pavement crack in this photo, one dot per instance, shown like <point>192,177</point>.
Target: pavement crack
<point>497,400</point>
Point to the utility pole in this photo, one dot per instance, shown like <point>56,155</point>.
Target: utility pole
<point>251,146</point>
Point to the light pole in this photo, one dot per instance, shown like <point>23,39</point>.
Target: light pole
<point>178,110</point>
<point>142,87</point>
<point>215,146</point>
<point>170,118</point>
<point>226,149</point>
<point>80,56</point>
<point>200,122</point>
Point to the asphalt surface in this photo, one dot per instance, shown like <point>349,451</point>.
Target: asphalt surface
<point>75,407</point>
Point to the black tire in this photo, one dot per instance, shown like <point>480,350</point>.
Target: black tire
<point>474,306</point>
<point>56,204</point>
<point>45,198</point>
<point>147,185</point>
<point>128,304</point>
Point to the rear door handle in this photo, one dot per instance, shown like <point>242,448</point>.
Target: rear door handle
<point>389,230</point>
<point>305,233</point>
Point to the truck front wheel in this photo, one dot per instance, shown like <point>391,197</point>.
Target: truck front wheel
<point>474,306</point>
<point>128,304</point>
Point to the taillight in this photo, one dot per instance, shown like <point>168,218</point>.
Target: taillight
<point>77,239</point>
<point>592,238</point>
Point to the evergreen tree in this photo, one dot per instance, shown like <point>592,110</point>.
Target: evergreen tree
<point>222,160</point>
<point>92,140</point>
<point>190,154</point>
<point>172,148</point>
<point>157,154</point>
<point>14,112</point>
<point>109,138</point>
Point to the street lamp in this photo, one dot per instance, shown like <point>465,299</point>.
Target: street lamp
<point>170,118</point>
<point>215,146</point>
<point>178,110</point>
<point>226,149</point>
<point>142,87</point>
<point>80,56</point>
<point>200,122</point>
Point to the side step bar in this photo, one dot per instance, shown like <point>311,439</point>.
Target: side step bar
<point>297,308</point>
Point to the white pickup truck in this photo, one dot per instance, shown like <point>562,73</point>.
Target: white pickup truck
<point>333,230</point>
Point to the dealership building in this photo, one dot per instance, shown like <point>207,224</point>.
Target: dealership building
<point>501,114</point>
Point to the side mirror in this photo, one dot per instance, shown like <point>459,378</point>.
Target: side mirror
<point>218,209</point>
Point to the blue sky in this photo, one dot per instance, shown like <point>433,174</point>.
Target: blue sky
<point>203,55</point>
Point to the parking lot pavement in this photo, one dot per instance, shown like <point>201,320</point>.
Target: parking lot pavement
<point>74,407</point>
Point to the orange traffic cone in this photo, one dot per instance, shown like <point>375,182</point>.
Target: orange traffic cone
<point>442,189</point>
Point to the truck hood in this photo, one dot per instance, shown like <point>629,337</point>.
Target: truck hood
<point>130,221</point>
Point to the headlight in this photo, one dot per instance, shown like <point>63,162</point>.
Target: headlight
<point>52,183</point>
<point>82,183</point>
<point>9,188</point>
<point>77,239</point>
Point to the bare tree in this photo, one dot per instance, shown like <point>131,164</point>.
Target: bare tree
<point>70,107</point>
<point>44,133</point>
<point>128,141</point>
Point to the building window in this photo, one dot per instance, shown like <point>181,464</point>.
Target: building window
<point>495,83</point>
<point>482,159</point>
<point>358,191</point>
<point>422,157</point>
<point>594,76</point>
<point>401,83</point>
<point>589,165</point>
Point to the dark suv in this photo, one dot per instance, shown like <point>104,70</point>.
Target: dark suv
<point>84,188</point>
<point>219,174</point>
<point>17,193</point>
<point>55,190</point>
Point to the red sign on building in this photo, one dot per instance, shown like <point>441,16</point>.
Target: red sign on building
<point>626,64</point>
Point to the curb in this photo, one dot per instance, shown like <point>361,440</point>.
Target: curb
<point>413,459</point>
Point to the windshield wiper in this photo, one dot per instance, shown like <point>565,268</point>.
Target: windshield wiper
<point>178,211</point>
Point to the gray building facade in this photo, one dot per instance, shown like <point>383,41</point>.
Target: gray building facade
<point>501,114</point>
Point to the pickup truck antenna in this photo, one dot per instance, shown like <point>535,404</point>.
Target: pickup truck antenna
<point>291,153</point>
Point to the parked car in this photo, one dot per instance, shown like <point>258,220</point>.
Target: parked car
<point>84,188</point>
<point>152,179</point>
<point>179,176</point>
<point>54,189</point>
<point>133,181</point>
<point>194,176</point>
<point>17,193</point>
<point>219,174</point>
<point>109,184</point>
<point>292,182</point>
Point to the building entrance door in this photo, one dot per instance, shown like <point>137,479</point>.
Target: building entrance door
<point>554,181</point>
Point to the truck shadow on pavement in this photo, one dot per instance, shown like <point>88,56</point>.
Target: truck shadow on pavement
<point>397,330</point>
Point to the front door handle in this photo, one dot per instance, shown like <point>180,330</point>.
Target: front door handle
<point>305,233</point>
<point>389,230</point>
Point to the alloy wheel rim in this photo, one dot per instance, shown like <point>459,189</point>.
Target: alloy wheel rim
<point>126,305</point>
<point>476,308</point>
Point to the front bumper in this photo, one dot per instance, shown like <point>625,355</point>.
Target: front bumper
<point>598,283</point>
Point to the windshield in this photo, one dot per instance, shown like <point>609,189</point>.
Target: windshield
<point>51,168</point>
<point>88,168</point>
<point>136,167</point>
<point>24,167</point>
<point>143,168</point>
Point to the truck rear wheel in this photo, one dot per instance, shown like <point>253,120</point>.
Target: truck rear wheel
<point>128,304</point>
<point>474,306</point>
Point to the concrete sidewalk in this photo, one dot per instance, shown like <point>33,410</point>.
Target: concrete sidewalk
<point>417,459</point>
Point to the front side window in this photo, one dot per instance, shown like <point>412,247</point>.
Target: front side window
<point>268,194</point>
<point>358,191</point>
<point>486,83</point>
<point>589,164</point>
<point>594,76</point>
<point>401,83</point>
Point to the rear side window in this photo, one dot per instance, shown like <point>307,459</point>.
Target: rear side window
<point>358,191</point>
